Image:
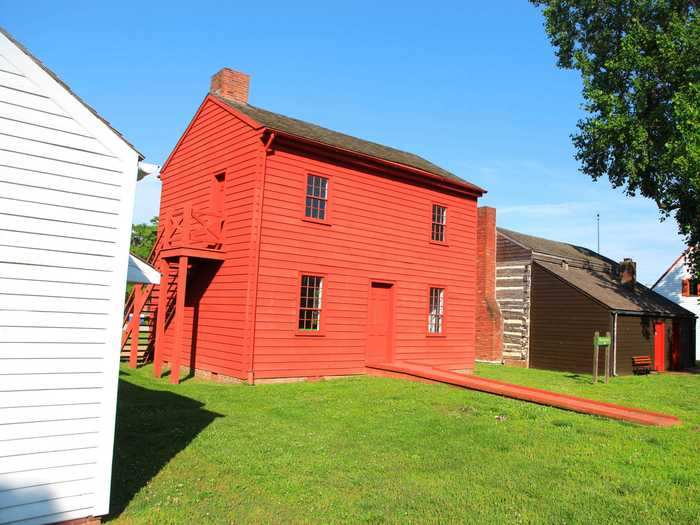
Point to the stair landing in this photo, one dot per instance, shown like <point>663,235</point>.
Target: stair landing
<point>192,252</point>
<point>415,371</point>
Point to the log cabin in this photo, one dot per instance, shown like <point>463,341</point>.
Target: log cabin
<point>291,251</point>
<point>553,296</point>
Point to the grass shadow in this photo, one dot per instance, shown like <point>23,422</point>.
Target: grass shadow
<point>152,427</point>
<point>183,378</point>
<point>578,378</point>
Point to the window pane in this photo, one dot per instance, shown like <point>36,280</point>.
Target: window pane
<point>436,310</point>
<point>438,225</point>
<point>311,302</point>
<point>315,322</point>
<point>316,197</point>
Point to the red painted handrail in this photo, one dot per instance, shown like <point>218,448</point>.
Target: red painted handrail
<point>185,222</point>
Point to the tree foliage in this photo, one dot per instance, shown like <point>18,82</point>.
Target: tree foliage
<point>143,237</point>
<point>640,65</point>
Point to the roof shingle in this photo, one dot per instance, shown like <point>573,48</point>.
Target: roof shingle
<point>606,289</point>
<point>309,131</point>
<point>596,276</point>
<point>557,248</point>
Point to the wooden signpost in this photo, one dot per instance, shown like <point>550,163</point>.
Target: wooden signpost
<point>598,341</point>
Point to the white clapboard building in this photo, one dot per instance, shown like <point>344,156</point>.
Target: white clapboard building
<point>678,285</point>
<point>67,183</point>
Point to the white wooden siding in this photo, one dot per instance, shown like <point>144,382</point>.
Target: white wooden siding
<point>671,287</point>
<point>66,197</point>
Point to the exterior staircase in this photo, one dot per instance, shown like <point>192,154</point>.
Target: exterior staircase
<point>145,339</point>
<point>184,236</point>
<point>138,327</point>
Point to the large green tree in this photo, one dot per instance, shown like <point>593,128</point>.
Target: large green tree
<point>640,65</point>
<point>143,237</point>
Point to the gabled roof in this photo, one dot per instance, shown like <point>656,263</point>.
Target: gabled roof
<point>66,87</point>
<point>596,277</point>
<point>315,133</point>
<point>673,265</point>
<point>563,250</point>
<point>605,288</point>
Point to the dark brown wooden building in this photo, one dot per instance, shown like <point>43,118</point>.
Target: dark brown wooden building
<point>554,296</point>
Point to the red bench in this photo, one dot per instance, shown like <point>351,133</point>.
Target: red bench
<point>641,364</point>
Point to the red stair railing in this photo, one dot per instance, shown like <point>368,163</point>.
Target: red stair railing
<point>184,228</point>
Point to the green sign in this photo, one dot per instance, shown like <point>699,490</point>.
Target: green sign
<point>603,341</point>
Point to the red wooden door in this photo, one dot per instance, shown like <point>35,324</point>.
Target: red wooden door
<point>659,345</point>
<point>381,307</point>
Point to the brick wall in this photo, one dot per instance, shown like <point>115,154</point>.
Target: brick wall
<point>489,322</point>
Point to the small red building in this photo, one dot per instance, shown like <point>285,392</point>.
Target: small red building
<point>295,251</point>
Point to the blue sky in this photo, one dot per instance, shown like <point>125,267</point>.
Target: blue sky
<point>472,86</point>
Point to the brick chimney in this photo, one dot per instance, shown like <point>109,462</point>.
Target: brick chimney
<point>231,84</point>
<point>628,272</point>
<point>489,322</point>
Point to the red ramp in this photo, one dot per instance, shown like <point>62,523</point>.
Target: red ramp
<point>533,395</point>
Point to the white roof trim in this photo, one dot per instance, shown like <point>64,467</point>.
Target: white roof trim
<point>64,98</point>
<point>141,272</point>
<point>680,259</point>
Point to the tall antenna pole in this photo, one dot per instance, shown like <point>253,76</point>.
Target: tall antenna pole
<point>597,220</point>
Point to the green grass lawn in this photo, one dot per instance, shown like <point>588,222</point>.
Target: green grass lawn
<point>377,450</point>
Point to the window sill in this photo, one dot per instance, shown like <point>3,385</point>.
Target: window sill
<point>436,335</point>
<point>310,333</point>
<point>440,243</point>
<point>316,221</point>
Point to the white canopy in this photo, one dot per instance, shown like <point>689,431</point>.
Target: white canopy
<point>141,272</point>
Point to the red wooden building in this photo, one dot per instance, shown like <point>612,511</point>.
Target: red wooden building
<point>295,251</point>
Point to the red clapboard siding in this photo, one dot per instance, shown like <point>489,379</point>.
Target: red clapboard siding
<point>379,229</point>
<point>215,142</point>
<point>241,316</point>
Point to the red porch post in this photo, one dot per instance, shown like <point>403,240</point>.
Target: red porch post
<point>135,326</point>
<point>186,230</point>
<point>180,294</point>
<point>164,268</point>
